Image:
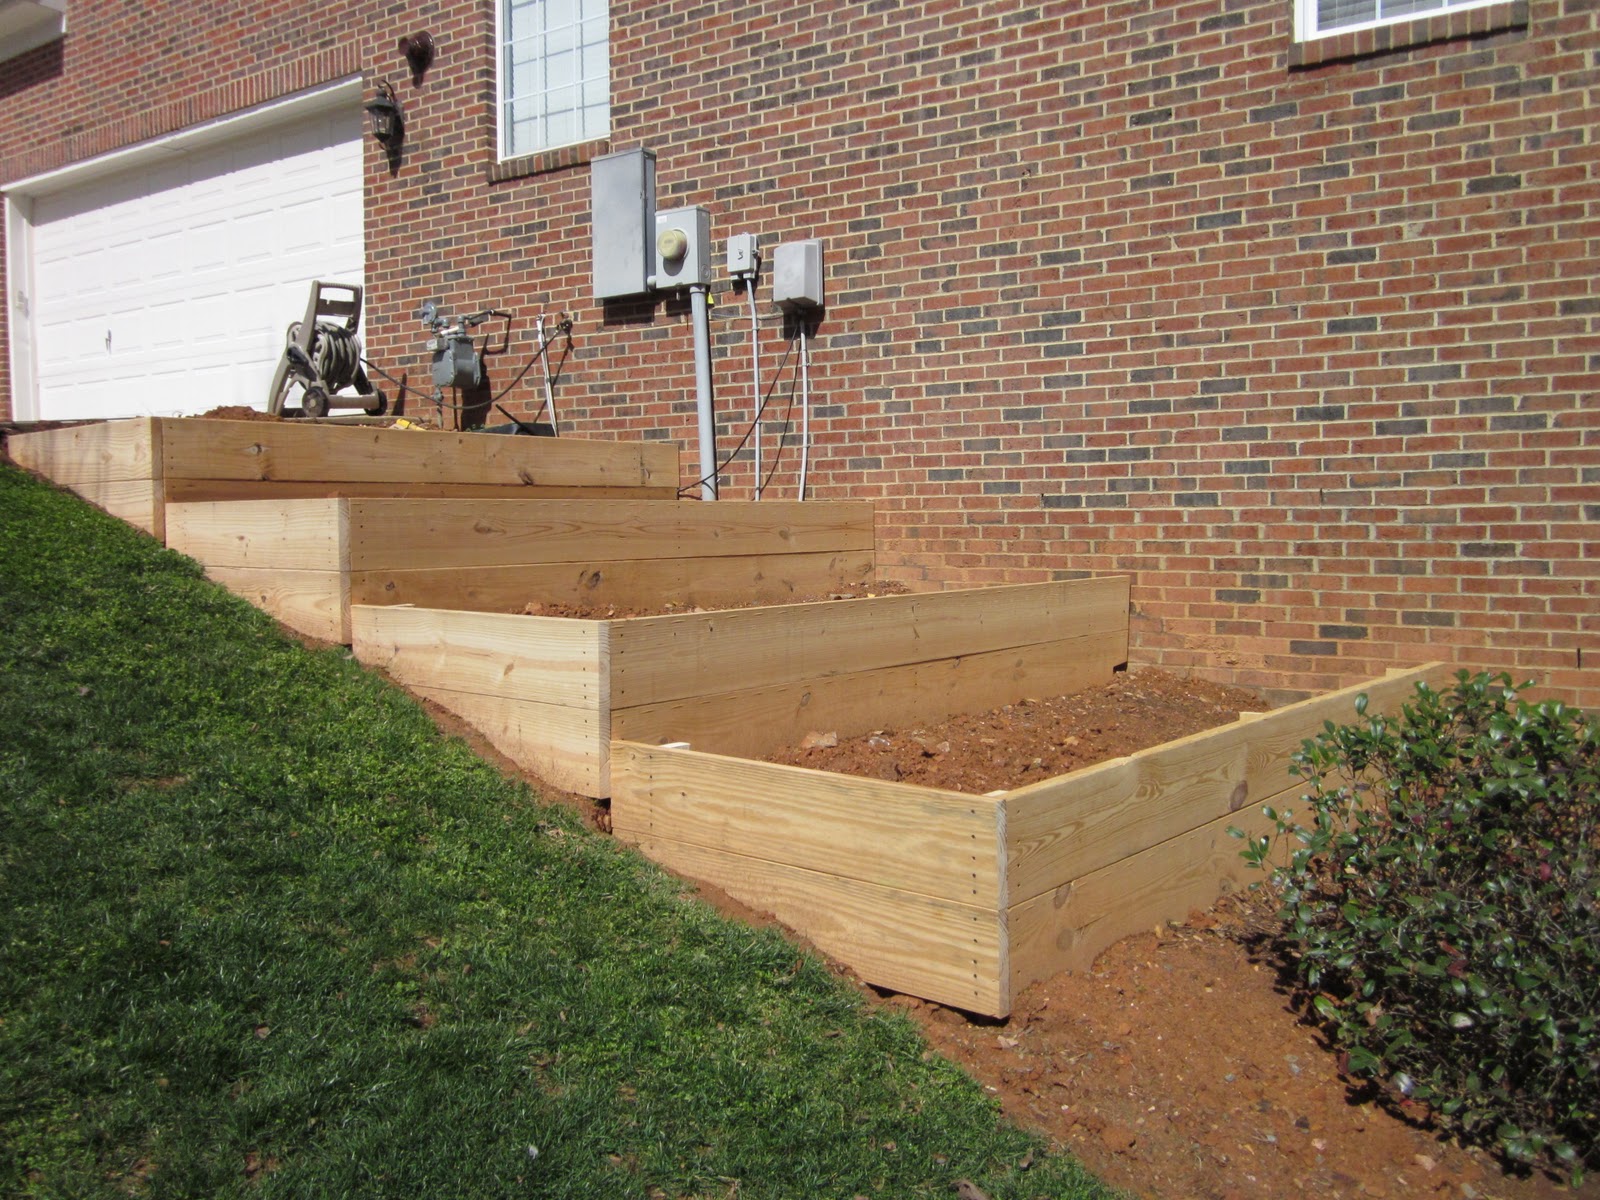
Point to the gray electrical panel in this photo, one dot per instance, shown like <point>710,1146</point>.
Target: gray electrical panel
<point>622,211</point>
<point>797,275</point>
<point>683,250</point>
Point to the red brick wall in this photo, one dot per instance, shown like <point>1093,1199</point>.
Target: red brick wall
<point>1309,351</point>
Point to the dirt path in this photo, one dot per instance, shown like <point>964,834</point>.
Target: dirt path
<point>1178,1068</point>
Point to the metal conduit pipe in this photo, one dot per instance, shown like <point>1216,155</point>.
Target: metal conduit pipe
<point>700,315</point>
<point>755,377</point>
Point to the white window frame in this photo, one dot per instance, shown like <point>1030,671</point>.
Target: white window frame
<point>1305,17</point>
<point>503,99</point>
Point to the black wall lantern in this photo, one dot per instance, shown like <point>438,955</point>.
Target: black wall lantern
<point>388,122</point>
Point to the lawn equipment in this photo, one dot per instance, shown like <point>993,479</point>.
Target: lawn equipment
<point>322,355</point>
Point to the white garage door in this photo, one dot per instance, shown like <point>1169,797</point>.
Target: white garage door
<point>166,288</point>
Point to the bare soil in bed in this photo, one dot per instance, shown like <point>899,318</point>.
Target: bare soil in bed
<point>613,612</point>
<point>1034,739</point>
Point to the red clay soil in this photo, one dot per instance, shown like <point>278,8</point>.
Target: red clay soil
<point>1180,1066</point>
<point>1034,739</point>
<point>612,612</point>
<point>238,412</point>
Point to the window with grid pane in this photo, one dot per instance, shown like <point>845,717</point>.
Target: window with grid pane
<point>1317,18</point>
<point>555,74</point>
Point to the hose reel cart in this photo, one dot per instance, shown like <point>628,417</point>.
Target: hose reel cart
<point>322,356</point>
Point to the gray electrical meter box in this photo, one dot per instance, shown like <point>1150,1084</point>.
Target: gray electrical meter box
<point>683,247</point>
<point>797,275</point>
<point>623,215</point>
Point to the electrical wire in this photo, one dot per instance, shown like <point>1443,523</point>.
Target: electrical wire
<point>399,383</point>
<point>542,352</point>
<point>406,387</point>
<point>734,453</point>
<point>783,439</point>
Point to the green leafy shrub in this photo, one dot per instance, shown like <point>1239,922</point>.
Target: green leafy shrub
<point>1445,899</point>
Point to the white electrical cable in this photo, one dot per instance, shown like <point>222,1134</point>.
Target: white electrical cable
<point>549,389</point>
<point>755,374</point>
<point>805,407</point>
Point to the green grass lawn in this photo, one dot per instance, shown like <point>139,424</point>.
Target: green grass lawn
<point>264,931</point>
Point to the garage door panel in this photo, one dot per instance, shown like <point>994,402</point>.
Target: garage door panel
<point>194,264</point>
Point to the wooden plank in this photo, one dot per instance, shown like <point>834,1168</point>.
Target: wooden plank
<point>1065,928</point>
<point>565,747</point>
<point>289,450</point>
<point>912,839</point>
<point>283,534</point>
<point>544,659</point>
<point>105,452</point>
<point>402,534</point>
<point>181,491</point>
<point>309,602</point>
<point>701,582</point>
<point>655,659</point>
<point>136,501</point>
<point>1061,829</point>
<point>947,952</point>
<point>755,721</point>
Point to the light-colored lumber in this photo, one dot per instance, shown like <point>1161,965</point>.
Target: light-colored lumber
<point>290,451</point>
<point>656,659</point>
<point>1062,829</point>
<point>910,943</point>
<point>136,501</point>
<point>263,534</point>
<point>309,602</point>
<point>180,491</point>
<point>105,452</point>
<point>566,747</point>
<point>498,655</point>
<point>913,839</point>
<point>702,582</point>
<point>756,721</point>
<point>1065,928</point>
<point>499,532</point>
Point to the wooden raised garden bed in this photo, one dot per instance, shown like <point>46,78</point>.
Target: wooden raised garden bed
<point>134,468</point>
<point>309,561</point>
<point>553,692</point>
<point>966,899</point>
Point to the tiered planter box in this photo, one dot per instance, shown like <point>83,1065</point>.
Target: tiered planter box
<point>308,561</point>
<point>134,468</point>
<point>398,542</point>
<point>552,692</point>
<point>967,899</point>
